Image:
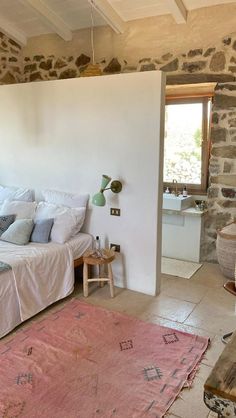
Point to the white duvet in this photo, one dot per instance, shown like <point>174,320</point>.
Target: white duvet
<point>41,274</point>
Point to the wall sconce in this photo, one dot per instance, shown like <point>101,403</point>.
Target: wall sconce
<point>115,186</point>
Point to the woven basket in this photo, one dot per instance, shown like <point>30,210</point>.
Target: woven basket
<point>226,250</point>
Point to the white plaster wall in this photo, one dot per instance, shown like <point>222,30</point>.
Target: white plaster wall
<point>66,134</point>
<point>150,37</point>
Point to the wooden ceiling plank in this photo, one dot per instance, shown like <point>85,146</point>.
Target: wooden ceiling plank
<point>55,22</point>
<point>178,10</point>
<point>109,14</point>
<point>12,32</point>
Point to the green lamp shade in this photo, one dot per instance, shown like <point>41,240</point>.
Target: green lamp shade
<point>105,181</point>
<point>99,199</point>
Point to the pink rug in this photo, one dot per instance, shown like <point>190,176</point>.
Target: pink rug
<point>87,362</point>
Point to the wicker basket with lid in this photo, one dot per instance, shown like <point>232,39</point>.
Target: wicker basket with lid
<point>226,249</point>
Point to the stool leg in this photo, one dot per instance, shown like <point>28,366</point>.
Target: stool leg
<point>101,274</point>
<point>111,282</point>
<point>85,280</point>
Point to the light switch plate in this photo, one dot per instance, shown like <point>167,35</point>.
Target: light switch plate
<point>117,247</point>
<point>115,212</point>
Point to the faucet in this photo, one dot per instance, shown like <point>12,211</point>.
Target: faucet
<point>176,187</point>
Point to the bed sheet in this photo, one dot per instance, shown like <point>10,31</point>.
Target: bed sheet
<point>41,274</point>
<point>79,244</point>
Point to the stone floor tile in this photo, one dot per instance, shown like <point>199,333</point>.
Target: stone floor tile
<point>190,404</point>
<point>184,289</point>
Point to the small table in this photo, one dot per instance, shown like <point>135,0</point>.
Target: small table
<point>90,259</point>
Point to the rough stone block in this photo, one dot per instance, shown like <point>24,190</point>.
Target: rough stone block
<point>215,118</point>
<point>218,135</point>
<point>115,67</point>
<point>218,62</point>
<point>70,73</point>
<point>227,204</point>
<point>46,65</point>
<point>167,57</point>
<point>145,60</point>
<point>228,193</point>
<point>209,51</point>
<point>12,59</point>
<point>225,179</point>
<point>38,58</point>
<point>227,40</point>
<point>60,64</point>
<point>225,86</point>
<point>8,78</point>
<point>146,67</point>
<point>228,167</point>
<point>194,52</point>
<point>171,66</point>
<point>82,60</point>
<point>30,68</point>
<point>222,101</point>
<point>36,76</point>
<point>193,67</point>
<point>228,151</point>
<point>212,193</point>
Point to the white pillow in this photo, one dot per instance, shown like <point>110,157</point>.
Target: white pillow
<point>16,193</point>
<point>67,221</point>
<point>22,210</point>
<point>65,199</point>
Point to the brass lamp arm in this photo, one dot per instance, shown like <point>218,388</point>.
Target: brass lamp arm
<point>116,187</point>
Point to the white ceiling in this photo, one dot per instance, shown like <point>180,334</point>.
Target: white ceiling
<point>138,9</point>
<point>22,19</point>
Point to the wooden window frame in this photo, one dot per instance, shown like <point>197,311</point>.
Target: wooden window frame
<point>196,189</point>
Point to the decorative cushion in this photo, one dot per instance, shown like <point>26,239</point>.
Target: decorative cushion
<point>67,221</point>
<point>18,232</point>
<point>22,210</point>
<point>16,193</point>
<point>41,231</point>
<point>65,199</point>
<point>5,222</point>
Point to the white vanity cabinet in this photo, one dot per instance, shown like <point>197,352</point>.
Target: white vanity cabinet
<point>181,234</point>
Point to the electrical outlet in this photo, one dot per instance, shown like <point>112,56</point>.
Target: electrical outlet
<point>117,247</point>
<point>115,212</point>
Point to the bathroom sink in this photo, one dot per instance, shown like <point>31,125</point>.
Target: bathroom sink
<point>172,202</point>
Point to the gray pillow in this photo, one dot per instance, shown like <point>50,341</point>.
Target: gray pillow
<point>19,232</point>
<point>5,222</point>
<point>42,230</point>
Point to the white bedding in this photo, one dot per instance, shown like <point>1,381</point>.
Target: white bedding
<point>41,274</point>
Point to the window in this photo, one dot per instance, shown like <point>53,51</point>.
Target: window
<point>186,143</point>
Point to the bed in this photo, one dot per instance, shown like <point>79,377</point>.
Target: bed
<point>41,274</point>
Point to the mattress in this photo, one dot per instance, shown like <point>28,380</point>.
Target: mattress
<point>45,276</point>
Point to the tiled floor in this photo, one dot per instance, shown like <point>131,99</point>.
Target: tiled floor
<point>199,305</point>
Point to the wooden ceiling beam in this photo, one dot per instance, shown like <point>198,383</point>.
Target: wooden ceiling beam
<point>109,14</point>
<point>50,18</point>
<point>178,10</point>
<point>12,32</point>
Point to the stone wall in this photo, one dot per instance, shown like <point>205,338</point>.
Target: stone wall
<point>214,63</point>
<point>222,168</point>
<point>11,70</point>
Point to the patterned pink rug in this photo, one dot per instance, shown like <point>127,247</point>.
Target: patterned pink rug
<point>87,362</point>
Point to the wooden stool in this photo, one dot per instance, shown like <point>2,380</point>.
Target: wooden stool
<point>90,260</point>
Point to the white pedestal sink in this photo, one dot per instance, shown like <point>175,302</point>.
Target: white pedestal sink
<point>172,202</point>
